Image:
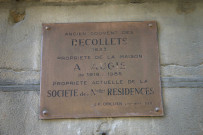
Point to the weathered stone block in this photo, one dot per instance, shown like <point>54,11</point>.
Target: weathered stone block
<point>21,45</point>
<point>99,1</point>
<point>68,0</point>
<point>17,15</point>
<point>5,0</point>
<point>180,35</point>
<point>11,77</point>
<point>179,38</point>
<point>19,113</point>
<point>178,71</point>
<point>3,29</point>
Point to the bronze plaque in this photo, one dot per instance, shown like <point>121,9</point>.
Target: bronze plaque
<point>100,70</point>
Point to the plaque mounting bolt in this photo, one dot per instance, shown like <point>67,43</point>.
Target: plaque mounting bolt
<point>157,109</point>
<point>45,112</point>
<point>150,25</point>
<point>47,28</point>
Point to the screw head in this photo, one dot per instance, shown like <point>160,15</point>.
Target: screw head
<point>45,112</point>
<point>47,28</point>
<point>150,25</point>
<point>157,109</point>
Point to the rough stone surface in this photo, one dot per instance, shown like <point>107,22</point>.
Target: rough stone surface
<point>97,1</point>
<point>179,82</point>
<point>22,47</point>
<point>180,35</point>
<point>16,0</point>
<point>5,0</point>
<point>17,15</point>
<point>178,71</point>
<point>183,116</point>
<point>10,77</point>
<point>3,30</point>
<point>68,0</point>
<point>181,46</point>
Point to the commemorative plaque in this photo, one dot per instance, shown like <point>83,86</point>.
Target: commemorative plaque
<point>100,70</point>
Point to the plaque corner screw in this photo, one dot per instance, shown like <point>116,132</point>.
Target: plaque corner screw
<point>150,25</point>
<point>47,28</point>
<point>45,112</point>
<point>157,109</point>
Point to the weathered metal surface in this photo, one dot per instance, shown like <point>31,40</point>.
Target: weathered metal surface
<point>100,70</point>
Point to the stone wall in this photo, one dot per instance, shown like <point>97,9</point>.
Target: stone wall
<point>180,26</point>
